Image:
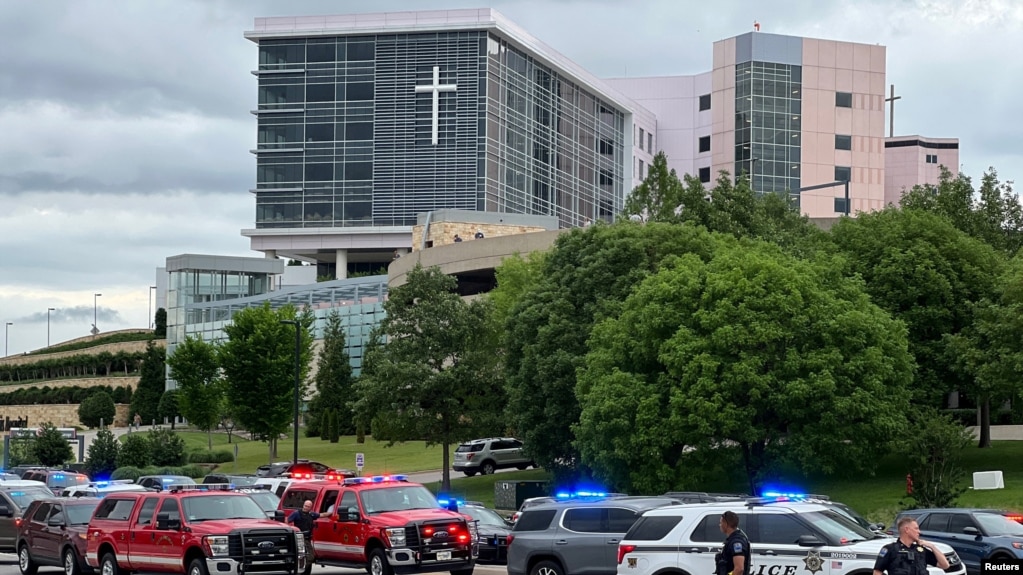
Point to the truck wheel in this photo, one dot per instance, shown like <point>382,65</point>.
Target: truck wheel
<point>70,562</point>
<point>108,565</point>
<point>488,468</point>
<point>197,567</point>
<point>462,571</point>
<point>25,562</point>
<point>378,564</point>
<point>469,473</point>
<point>547,568</point>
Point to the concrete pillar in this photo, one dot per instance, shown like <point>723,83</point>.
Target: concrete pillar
<point>270,254</point>
<point>341,271</point>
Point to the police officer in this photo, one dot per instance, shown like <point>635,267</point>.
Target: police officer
<point>734,558</point>
<point>909,555</point>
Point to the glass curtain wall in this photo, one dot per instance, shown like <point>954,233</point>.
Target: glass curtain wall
<point>768,114</point>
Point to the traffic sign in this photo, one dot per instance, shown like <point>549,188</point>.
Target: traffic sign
<point>360,461</point>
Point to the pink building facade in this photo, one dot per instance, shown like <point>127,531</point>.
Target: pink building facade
<point>915,160</point>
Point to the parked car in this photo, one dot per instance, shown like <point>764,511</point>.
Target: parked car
<point>267,500</point>
<point>101,488</point>
<point>56,479</point>
<point>161,482</point>
<point>975,534</point>
<point>492,531</point>
<point>15,497</point>
<point>485,456</point>
<point>53,533</point>
<point>303,466</point>
<point>236,480</point>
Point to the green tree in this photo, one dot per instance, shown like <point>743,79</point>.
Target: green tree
<point>334,428</point>
<point>658,196</point>
<point>152,382</point>
<point>436,379</point>
<point>334,381</point>
<point>167,447</point>
<point>101,457</point>
<point>136,451</point>
<point>585,277</point>
<point>195,366</point>
<point>51,448</point>
<point>169,408</point>
<point>922,270</point>
<point>22,452</point>
<point>786,360</point>
<point>932,445</point>
<point>160,323</point>
<point>258,362</point>
<point>97,408</point>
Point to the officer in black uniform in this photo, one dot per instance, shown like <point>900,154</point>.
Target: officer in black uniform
<point>909,555</point>
<point>305,519</point>
<point>734,558</point>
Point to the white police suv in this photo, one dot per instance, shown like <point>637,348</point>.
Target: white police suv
<point>788,536</point>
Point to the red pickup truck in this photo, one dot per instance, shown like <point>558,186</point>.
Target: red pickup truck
<point>196,530</point>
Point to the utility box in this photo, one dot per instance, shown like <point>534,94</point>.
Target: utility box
<point>988,480</point>
<point>509,495</point>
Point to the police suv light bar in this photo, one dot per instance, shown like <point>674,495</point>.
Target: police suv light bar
<point>200,487</point>
<point>375,479</point>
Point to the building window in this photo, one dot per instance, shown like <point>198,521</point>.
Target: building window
<point>843,173</point>
<point>843,142</point>
<point>704,144</point>
<point>642,136</point>
<point>932,158</point>
<point>705,175</point>
<point>650,143</point>
<point>641,169</point>
<point>840,205</point>
<point>704,102</point>
<point>843,99</point>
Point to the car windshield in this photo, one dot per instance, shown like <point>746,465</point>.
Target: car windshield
<point>484,516</point>
<point>996,524</point>
<point>23,497</point>
<point>213,507</point>
<point>838,528</point>
<point>852,515</point>
<point>79,514</point>
<point>266,500</point>
<point>398,499</point>
<point>240,480</point>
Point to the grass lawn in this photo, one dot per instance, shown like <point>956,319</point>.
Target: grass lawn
<point>401,458</point>
<point>879,497</point>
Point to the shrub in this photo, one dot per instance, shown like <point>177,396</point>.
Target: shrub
<point>97,408</point>
<point>101,460</point>
<point>933,447</point>
<point>210,457</point>
<point>50,448</point>
<point>136,451</point>
<point>127,472</point>
<point>167,447</point>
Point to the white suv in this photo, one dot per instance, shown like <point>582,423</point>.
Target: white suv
<point>786,538</point>
<point>484,456</point>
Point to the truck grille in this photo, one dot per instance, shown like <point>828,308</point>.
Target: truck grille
<point>263,550</point>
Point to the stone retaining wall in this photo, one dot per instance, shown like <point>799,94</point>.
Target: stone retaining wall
<point>131,346</point>
<point>131,381</point>
<point>61,414</point>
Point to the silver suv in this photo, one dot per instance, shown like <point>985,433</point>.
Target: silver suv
<point>577,536</point>
<point>485,456</point>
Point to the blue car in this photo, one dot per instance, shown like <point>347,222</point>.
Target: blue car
<point>975,534</point>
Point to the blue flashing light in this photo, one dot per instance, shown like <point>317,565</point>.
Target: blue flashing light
<point>579,494</point>
<point>167,479</point>
<point>102,483</point>
<point>58,476</point>
<point>782,494</point>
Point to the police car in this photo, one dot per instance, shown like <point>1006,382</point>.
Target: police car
<point>788,536</point>
<point>101,488</point>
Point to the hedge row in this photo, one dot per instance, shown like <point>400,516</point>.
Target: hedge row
<point>210,457</point>
<point>70,394</point>
<point>133,473</point>
<point>101,340</point>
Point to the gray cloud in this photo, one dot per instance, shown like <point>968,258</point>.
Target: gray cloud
<point>75,314</point>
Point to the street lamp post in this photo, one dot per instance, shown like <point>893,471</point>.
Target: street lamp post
<point>151,288</point>
<point>6,325</point>
<point>95,313</point>
<point>48,310</point>
<point>298,345</point>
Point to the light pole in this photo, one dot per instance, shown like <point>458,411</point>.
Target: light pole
<point>151,288</point>
<point>48,310</point>
<point>298,345</point>
<point>6,325</point>
<point>95,313</point>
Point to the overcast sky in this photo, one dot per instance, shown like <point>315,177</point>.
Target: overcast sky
<point>126,128</point>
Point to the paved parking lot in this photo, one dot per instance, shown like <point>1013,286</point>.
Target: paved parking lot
<point>9,566</point>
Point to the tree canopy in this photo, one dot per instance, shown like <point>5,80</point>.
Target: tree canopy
<point>334,381</point>
<point>196,368</point>
<point>152,381</point>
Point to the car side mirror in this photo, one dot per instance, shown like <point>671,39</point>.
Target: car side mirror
<point>278,515</point>
<point>809,541</point>
<point>350,514</point>
<point>879,527</point>
<point>971,531</point>
<point>164,521</point>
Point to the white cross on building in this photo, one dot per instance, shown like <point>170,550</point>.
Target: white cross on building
<point>436,88</point>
